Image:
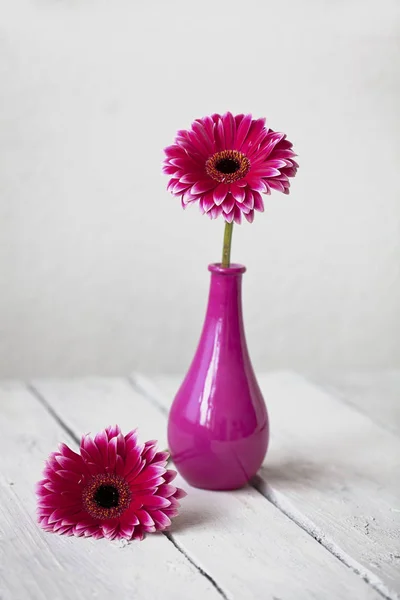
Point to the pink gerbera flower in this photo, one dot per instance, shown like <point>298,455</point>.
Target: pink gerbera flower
<point>226,163</point>
<point>114,488</point>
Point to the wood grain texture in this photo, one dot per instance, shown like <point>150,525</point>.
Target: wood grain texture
<point>376,394</point>
<point>337,470</point>
<point>249,548</point>
<point>40,566</point>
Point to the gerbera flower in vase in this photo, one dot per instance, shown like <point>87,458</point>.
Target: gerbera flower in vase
<point>218,427</point>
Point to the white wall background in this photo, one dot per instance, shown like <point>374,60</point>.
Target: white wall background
<point>100,269</point>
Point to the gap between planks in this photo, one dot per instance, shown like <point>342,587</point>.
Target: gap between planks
<point>53,413</point>
<point>147,389</point>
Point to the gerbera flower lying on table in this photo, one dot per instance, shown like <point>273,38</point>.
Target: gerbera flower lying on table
<point>225,163</point>
<point>114,488</point>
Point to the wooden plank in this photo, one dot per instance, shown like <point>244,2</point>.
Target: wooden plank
<point>36,565</point>
<point>242,541</point>
<point>332,470</point>
<point>376,394</point>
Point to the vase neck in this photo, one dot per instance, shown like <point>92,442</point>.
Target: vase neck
<point>225,297</point>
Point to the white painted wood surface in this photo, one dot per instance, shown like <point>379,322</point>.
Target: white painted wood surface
<point>376,394</point>
<point>325,525</point>
<point>39,566</point>
<point>333,469</point>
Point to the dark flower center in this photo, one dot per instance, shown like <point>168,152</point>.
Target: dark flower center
<point>227,166</point>
<point>106,496</point>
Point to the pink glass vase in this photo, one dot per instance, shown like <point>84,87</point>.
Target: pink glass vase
<point>218,428</point>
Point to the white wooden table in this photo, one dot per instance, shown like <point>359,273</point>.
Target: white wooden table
<point>320,521</point>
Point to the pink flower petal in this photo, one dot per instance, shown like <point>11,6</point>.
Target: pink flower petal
<point>202,186</point>
<point>180,493</point>
<point>242,131</point>
<point>248,202</point>
<point>161,520</point>
<point>155,502</point>
<point>230,216</point>
<point>237,215</point>
<point>229,129</point>
<point>101,442</point>
<point>228,203</point>
<point>145,518</point>
<point>220,193</point>
<point>169,475</point>
<point>238,192</point>
<point>150,472</point>
<point>258,202</point>
<point>207,201</point>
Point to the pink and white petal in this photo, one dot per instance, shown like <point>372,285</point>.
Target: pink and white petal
<point>242,131</point>
<point>149,454</point>
<point>179,188</point>
<point>112,431</point>
<point>121,445</point>
<point>208,201</point>
<point>109,528</point>
<point>101,442</point>
<point>230,216</point>
<point>256,128</point>
<point>170,512</point>
<point>155,502</point>
<point>173,151</point>
<point>180,493</point>
<point>228,203</point>
<point>270,142</point>
<point>166,490</point>
<point>70,476</point>
<point>248,202</point>
<point>149,473</point>
<point>171,184</point>
<point>169,475</point>
<point>229,129</point>
<point>69,464</point>
<point>161,457</point>
<point>255,184</point>
<point>187,197</point>
<point>237,215</point>
<point>150,529</point>
<point>275,163</point>
<point>138,534</point>
<point>66,451</point>
<point>220,135</point>
<point>276,185</point>
<point>145,518</point>
<point>238,192</point>
<point>215,212</point>
<point>258,202</point>
<point>202,186</point>
<point>161,519</point>
<point>249,216</point>
<point>112,454</point>
<point>220,193</point>
<point>202,136</point>
<point>189,178</point>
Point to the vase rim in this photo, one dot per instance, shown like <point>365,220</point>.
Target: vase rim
<point>233,269</point>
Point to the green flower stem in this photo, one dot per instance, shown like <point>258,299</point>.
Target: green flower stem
<point>226,250</point>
